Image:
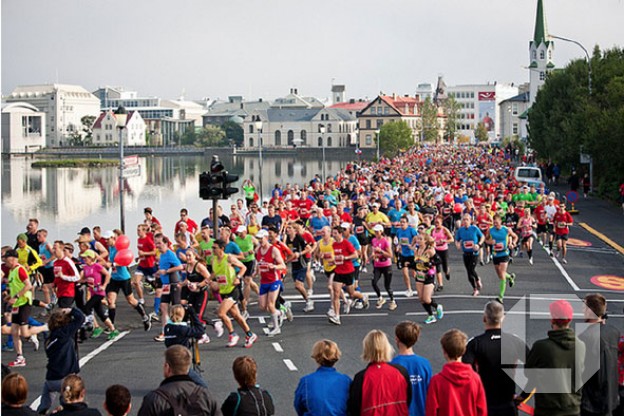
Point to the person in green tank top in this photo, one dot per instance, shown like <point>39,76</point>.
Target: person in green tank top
<point>247,243</point>
<point>250,191</point>
<point>227,282</point>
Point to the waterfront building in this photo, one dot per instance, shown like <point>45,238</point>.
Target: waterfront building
<point>105,132</point>
<point>23,128</point>
<point>64,107</point>
<point>234,109</point>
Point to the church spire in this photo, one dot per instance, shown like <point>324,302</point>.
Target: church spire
<point>540,35</point>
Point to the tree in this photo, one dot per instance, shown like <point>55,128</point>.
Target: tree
<point>233,131</point>
<point>481,133</point>
<point>395,137</point>
<point>451,108</point>
<point>188,137</point>
<point>210,136</point>
<point>429,121</point>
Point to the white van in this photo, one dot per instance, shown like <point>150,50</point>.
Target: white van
<point>530,175</point>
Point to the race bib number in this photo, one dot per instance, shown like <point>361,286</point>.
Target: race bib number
<point>221,279</point>
<point>446,211</point>
<point>14,311</point>
<point>483,227</point>
<point>404,241</point>
<point>339,259</point>
<point>439,243</point>
<point>359,229</point>
<point>166,289</point>
<point>264,267</point>
<point>499,247</point>
<point>469,245</point>
<point>207,253</point>
<point>328,256</point>
<point>561,225</point>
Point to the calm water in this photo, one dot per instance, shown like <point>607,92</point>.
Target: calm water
<point>65,200</point>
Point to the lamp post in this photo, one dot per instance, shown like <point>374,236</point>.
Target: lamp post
<point>121,116</point>
<point>322,131</point>
<point>577,43</point>
<point>378,133</point>
<point>258,125</point>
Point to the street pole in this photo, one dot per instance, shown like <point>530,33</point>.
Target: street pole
<point>322,128</point>
<point>378,132</point>
<point>121,117</point>
<point>589,70</point>
<point>258,126</point>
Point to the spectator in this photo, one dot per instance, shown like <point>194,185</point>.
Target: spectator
<point>557,352</point>
<point>14,395</point>
<point>382,388</point>
<point>419,369</point>
<point>118,400</point>
<point>249,399</point>
<point>178,393</point>
<point>73,402</point>
<point>326,391</point>
<point>599,395</point>
<point>456,390</point>
<point>485,353</point>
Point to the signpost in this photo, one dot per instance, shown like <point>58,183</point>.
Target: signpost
<point>131,167</point>
<point>572,197</point>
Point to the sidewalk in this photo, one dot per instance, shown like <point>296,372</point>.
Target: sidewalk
<point>603,216</point>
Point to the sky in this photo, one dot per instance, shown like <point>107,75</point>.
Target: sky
<point>262,48</point>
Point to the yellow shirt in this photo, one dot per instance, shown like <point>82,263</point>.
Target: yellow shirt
<point>327,254</point>
<point>380,217</point>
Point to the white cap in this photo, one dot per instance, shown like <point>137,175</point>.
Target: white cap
<point>241,228</point>
<point>378,227</point>
<point>262,233</point>
<point>108,234</point>
<point>345,225</point>
<point>375,204</point>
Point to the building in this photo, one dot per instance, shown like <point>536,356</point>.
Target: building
<point>513,116</point>
<point>64,106</point>
<point>105,132</point>
<point>23,128</point>
<point>540,53</point>
<point>234,109</point>
<point>479,103</point>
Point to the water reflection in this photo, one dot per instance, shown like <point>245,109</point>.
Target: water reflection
<point>66,199</point>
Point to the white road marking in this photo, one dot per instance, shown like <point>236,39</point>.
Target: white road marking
<point>84,360</point>
<point>480,312</point>
<point>562,270</point>
<point>277,347</point>
<point>261,320</point>
<point>290,365</point>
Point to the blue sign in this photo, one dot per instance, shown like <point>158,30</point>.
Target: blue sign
<point>572,196</point>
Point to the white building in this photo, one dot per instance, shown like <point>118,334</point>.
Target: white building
<point>480,103</point>
<point>540,53</point>
<point>64,107</point>
<point>23,128</point>
<point>513,115</point>
<point>105,132</point>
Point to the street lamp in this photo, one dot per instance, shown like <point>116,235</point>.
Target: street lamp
<point>378,133</point>
<point>589,72</point>
<point>258,126</point>
<point>322,131</point>
<point>121,116</point>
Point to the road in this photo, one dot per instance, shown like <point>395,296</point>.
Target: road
<point>135,360</point>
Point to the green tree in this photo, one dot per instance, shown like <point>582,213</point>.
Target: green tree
<point>429,121</point>
<point>451,109</point>
<point>481,133</point>
<point>395,137</point>
<point>188,137</point>
<point>210,136</point>
<point>233,131</point>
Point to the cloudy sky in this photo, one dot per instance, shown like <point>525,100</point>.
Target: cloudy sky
<point>262,48</point>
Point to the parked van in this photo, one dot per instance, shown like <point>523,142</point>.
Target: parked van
<point>530,175</point>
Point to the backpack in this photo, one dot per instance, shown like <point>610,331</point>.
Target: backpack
<point>190,407</point>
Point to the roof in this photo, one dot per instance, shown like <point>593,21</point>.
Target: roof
<point>523,98</point>
<point>407,106</point>
<point>229,109</point>
<point>351,106</point>
<point>98,122</point>
<point>339,114</point>
<point>43,89</point>
<point>540,35</point>
<point>291,114</point>
<point>20,107</point>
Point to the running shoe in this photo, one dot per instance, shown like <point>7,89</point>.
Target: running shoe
<point>233,340</point>
<point>249,340</point>
<point>531,261</point>
<point>114,334</point>
<point>310,292</point>
<point>20,361</point>
<point>430,320</point>
<point>366,302</point>
<point>409,293</point>
<point>107,331</point>
<point>218,327</point>
<point>479,284</point>
<point>50,306</point>
<point>439,312</point>
<point>335,320</point>
<point>364,269</point>
<point>330,312</point>
<point>392,305</point>
<point>550,253</point>
<point>309,307</point>
<point>274,331</point>
<point>158,338</point>
<point>440,288</point>
<point>564,261</point>
<point>448,276</point>
<point>475,292</point>
<point>289,313</point>
<point>205,339</point>
<point>35,341</point>
<point>147,323</point>
<point>7,348</point>
<point>97,332</point>
<point>359,305</point>
<point>512,279</point>
<point>245,314</point>
<point>499,300</point>
<point>346,308</point>
<point>154,317</point>
<point>380,302</point>
<point>480,262</point>
<point>280,318</point>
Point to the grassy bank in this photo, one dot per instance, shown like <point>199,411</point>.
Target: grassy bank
<point>75,163</point>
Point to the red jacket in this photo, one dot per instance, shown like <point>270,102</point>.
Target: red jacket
<point>382,389</point>
<point>456,391</point>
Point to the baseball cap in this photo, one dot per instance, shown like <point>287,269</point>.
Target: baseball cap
<point>375,204</point>
<point>22,237</point>
<point>378,227</point>
<point>345,226</point>
<point>241,228</point>
<point>85,230</point>
<point>561,309</point>
<point>262,233</point>
<point>10,253</point>
<point>108,234</point>
<point>89,253</point>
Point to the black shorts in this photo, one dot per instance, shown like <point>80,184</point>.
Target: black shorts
<point>426,279</point>
<point>329,275</point>
<point>346,279</point>
<point>65,302</point>
<point>235,294</point>
<point>48,275</point>
<point>562,236</point>
<point>500,259</point>
<point>542,228</point>
<point>146,271</point>
<point>116,285</point>
<point>406,262</point>
<point>526,239</point>
<point>364,240</point>
<point>21,315</point>
<point>249,268</point>
<point>157,283</point>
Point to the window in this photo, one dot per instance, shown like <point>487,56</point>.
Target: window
<point>368,124</point>
<point>379,110</point>
<point>541,54</point>
<point>291,138</point>
<point>386,110</point>
<point>329,128</point>
<point>369,140</point>
<point>278,138</point>
<point>329,141</point>
<point>320,142</point>
<point>542,76</point>
<point>251,142</point>
<point>379,123</point>
<point>549,54</point>
<point>514,109</point>
<point>251,128</point>
<point>514,129</point>
<point>534,54</point>
<point>304,137</point>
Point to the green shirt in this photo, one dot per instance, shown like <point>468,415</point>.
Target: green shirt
<point>225,275</point>
<point>16,285</point>
<point>246,245</point>
<point>249,190</point>
<point>206,250</point>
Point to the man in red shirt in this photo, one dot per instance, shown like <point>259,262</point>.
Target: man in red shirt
<point>562,222</point>
<point>184,217</point>
<point>65,276</point>
<point>147,260</point>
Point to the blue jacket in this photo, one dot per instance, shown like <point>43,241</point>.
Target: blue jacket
<point>324,392</point>
<point>61,350</point>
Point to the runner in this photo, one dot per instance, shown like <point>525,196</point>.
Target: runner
<point>526,226</point>
<point>562,222</point>
<point>406,236</point>
<point>146,251</point>
<point>499,237</point>
<point>469,239</point>
<point>325,251</point>
<point>361,232</point>
<point>169,267</point>
<point>424,252</point>
<point>382,265</point>
<point>270,263</point>
<point>47,270</point>
<point>299,264</point>
<point>65,276</point>
<point>246,243</point>
<point>97,278</point>
<point>442,237</point>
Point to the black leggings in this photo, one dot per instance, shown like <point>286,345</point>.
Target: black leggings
<point>387,274</point>
<point>470,262</point>
<point>95,303</point>
<point>198,301</point>
<point>443,265</point>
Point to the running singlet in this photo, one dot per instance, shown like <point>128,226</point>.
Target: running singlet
<point>440,237</point>
<point>225,275</point>
<point>93,276</point>
<point>381,260</point>
<point>17,277</point>
<point>526,229</point>
<point>65,276</point>
<point>327,254</point>
<point>469,238</point>
<point>44,254</point>
<point>561,222</point>
<point>205,250</point>
<point>357,246</point>
<point>405,238</point>
<point>359,228</point>
<point>119,272</point>
<point>246,246</point>
<point>500,241</point>
<point>267,275</point>
<point>146,244</point>
<point>541,215</point>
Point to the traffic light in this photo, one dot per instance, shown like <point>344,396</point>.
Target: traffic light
<point>214,185</point>
<point>227,180</point>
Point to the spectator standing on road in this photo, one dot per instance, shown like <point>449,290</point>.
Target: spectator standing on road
<point>249,399</point>
<point>599,395</point>
<point>485,353</point>
<point>178,393</point>
<point>419,369</point>
<point>456,390</point>
<point>326,391</point>
<point>73,403</point>
<point>118,401</point>
<point>382,388</point>
<point>14,395</point>
<point>562,351</point>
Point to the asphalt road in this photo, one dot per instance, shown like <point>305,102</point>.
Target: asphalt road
<point>135,360</point>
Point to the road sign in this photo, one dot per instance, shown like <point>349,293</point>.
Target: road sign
<point>131,171</point>
<point>131,160</point>
<point>585,158</point>
<point>572,196</point>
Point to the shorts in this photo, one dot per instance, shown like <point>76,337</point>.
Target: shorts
<point>563,237</point>
<point>270,287</point>
<point>65,302</point>
<point>364,240</point>
<point>20,317</point>
<point>157,283</point>
<point>500,259</point>
<point>346,279</point>
<point>542,228</point>
<point>526,239</point>
<point>249,268</point>
<point>406,262</point>
<point>115,285</point>
<point>426,279</point>
<point>235,294</point>
<point>48,275</point>
<point>146,271</point>
<point>299,275</point>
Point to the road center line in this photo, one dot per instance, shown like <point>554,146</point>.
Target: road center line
<point>290,365</point>
<point>277,347</point>
<point>563,271</point>
<point>602,237</point>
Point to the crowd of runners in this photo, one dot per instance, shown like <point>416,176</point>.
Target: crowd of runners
<point>399,216</point>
